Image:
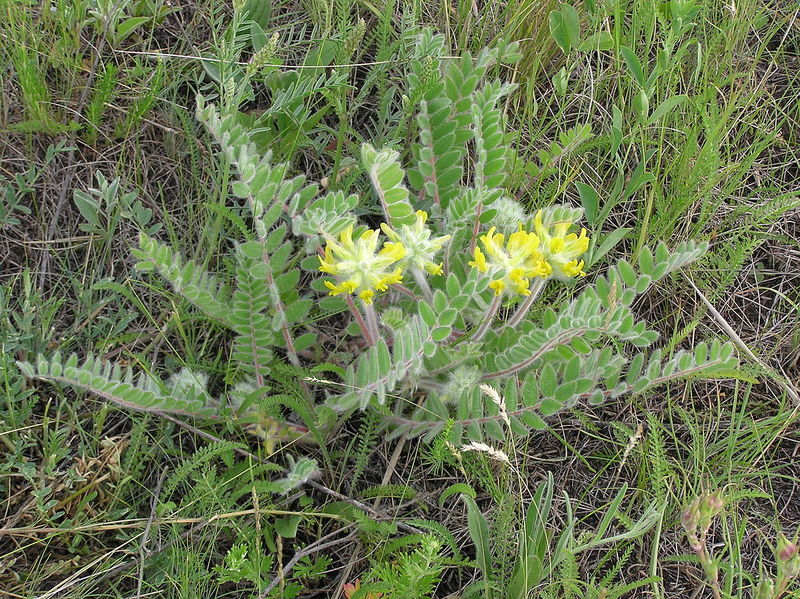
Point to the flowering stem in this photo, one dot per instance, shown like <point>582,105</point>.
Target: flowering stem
<point>487,322</point>
<point>708,565</point>
<point>522,311</point>
<point>419,277</point>
<point>405,291</point>
<point>372,321</point>
<point>368,337</point>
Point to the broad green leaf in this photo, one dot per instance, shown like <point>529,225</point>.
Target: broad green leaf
<point>479,532</point>
<point>572,23</point>
<point>601,40</point>
<point>88,207</point>
<point>558,30</point>
<point>259,11</point>
<point>665,108</point>
<point>634,66</point>
<point>128,26</point>
<point>609,242</point>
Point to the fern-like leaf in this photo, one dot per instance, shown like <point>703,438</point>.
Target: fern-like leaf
<point>187,278</point>
<point>386,175</point>
<point>121,385</point>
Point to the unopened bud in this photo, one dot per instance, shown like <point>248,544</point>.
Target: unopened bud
<point>689,517</point>
<point>788,552</point>
<point>713,504</point>
<point>788,557</point>
<point>710,506</point>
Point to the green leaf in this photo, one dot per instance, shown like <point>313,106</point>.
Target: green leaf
<point>533,420</point>
<point>128,26</point>
<point>462,488</point>
<point>258,11</point>
<point>439,301</point>
<point>547,381</point>
<point>479,533</point>
<point>440,333</point>
<point>641,103</point>
<point>88,207</point>
<point>287,526</point>
<point>666,107</point>
<point>565,27</point>
<point>297,311</point>
<point>527,574</point>
<point>386,175</point>
<point>258,39</point>
<point>609,242</point>
<point>634,66</point>
<point>601,40</point>
<point>572,24</point>
<point>427,313</point>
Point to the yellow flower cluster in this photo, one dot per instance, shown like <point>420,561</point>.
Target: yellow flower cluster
<point>360,269</point>
<point>516,263</point>
<point>363,270</point>
<point>420,248</point>
<point>550,251</point>
<point>561,248</point>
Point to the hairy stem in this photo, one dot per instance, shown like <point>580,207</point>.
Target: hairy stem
<point>372,321</point>
<point>422,282</point>
<point>525,306</point>
<point>487,321</point>
<point>365,331</point>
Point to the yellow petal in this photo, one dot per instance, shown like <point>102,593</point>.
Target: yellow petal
<point>346,237</point>
<point>539,225</point>
<point>433,268</point>
<point>480,260</point>
<point>498,286</point>
<point>393,250</point>
<point>573,269</point>
<point>556,245</point>
<point>334,289</point>
<point>389,232</point>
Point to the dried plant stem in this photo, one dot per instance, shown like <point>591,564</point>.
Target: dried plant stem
<point>781,379</point>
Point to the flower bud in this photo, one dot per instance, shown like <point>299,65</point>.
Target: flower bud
<point>690,517</point>
<point>710,505</point>
<point>788,558</point>
<point>788,552</point>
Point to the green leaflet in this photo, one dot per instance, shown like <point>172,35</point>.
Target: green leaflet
<point>124,387</point>
<point>383,168</point>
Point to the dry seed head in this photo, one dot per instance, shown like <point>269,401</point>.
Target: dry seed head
<point>492,452</point>
<point>492,394</point>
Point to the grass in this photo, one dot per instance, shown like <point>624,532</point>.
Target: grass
<point>101,502</point>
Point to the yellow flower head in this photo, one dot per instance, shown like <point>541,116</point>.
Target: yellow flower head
<point>561,248</point>
<point>420,248</point>
<point>512,264</point>
<point>359,268</point>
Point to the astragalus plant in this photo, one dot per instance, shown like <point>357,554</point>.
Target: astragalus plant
<point>406,294</point>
